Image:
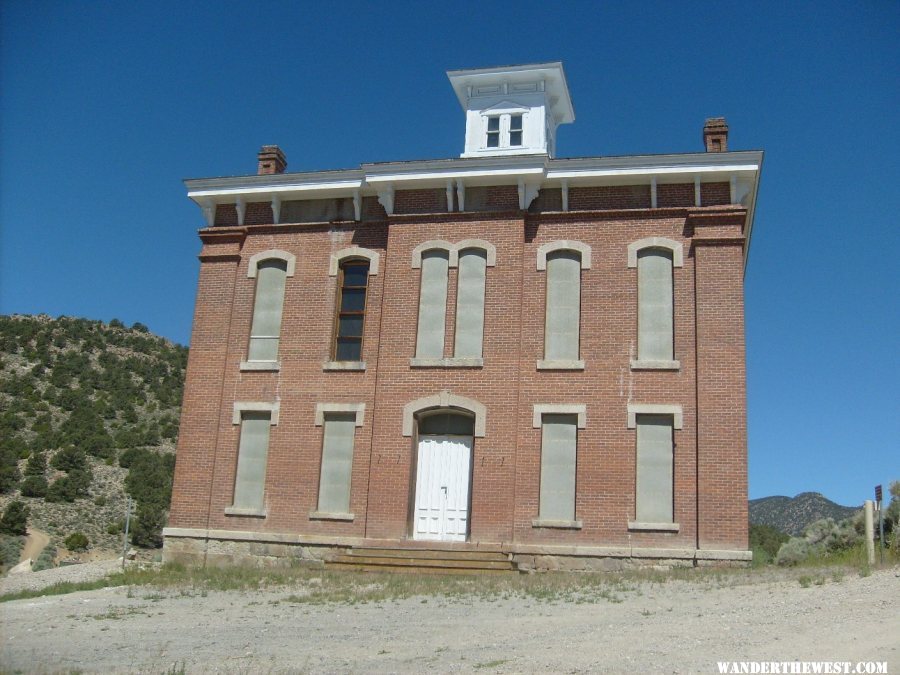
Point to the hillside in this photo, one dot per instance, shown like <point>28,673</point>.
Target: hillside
<point>88,413</point>
<point>791,515</point>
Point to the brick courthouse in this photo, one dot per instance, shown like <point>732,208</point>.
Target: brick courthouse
<point>501,359</point>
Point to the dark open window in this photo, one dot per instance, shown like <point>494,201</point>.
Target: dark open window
<point>351,311</point>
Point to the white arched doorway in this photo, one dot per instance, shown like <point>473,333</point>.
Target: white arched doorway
<point>443,475</point>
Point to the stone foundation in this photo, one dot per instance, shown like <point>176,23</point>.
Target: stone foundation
<point>257,549</point>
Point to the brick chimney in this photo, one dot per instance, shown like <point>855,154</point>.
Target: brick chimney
<point>715,134</point>
<point>271,160</point>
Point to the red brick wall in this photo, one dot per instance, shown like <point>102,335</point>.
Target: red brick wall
<point>506,462</point>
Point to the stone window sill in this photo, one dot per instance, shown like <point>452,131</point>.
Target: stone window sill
<point>647,364</point>
<point>558,524</point>
<point>271,366</point>
<point>344,365</point>
<point>251,513</point>
<point>468,362</point>
<point>560,364</point>
<point>325,515</point>
<point>653,527</point>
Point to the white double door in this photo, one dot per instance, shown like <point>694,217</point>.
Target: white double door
<point>442,488</point>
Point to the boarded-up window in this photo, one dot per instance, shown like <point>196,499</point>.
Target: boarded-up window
<point>432,304</point>
<point>266,327</point>
<point>470,304</point>
<point>337,463</point>
<point>655,318</point>
<point>563,305</point>
<point>249,483</point>
<point>654,469</point>
<point>558,443</point>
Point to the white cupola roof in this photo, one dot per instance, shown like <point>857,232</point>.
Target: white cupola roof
<point>513,110</point>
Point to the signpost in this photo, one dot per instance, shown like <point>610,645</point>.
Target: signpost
<point>880,521</point>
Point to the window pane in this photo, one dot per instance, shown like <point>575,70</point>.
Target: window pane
<point>443,424</point>
<point>493,140</point>
<point>493,124</point>
<point>515,138</point>
<point>353,300</point>
<point>356,275</point>
<point>348,349</point>
<point>350,326</point>
<point>515,123</point>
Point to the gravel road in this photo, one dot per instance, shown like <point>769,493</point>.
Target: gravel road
<point>676,627</point>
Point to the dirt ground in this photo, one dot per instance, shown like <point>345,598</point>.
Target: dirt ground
<point>35,542</point>
<point>643,626</point>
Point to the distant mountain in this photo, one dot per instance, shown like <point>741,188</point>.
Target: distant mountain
<point>793,515</point>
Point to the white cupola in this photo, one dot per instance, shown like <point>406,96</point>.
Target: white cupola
<point>513,110</point>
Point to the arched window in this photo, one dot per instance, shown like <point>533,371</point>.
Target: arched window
<point>563,316</point>
<point>563,262</point>
<point>655,305</point>
<point>267,307</point>
<point>351,310</point>
<point>470,303</point>
<point>432,304</point>
<point>655,259</point>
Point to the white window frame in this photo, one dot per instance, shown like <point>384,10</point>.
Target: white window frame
<point>505,116</point>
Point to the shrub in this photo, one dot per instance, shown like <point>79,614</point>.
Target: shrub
<point>767,539</point>
<point>792,552</point>
<point>69,458</point>
<point>34,486</point>
<point>146,529</point>
<point>77,541</point>
<point>15,519</point>
<point>10,550</point>
<point>46,560</point>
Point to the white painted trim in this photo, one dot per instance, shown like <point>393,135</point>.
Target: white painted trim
<point>255,406</point>
<point>697,200</point>
<point>271,366</point>
<point>276,209</point>
<point>277,254</point>
<point>653,195</point>
<point>354,252</point>
<point>563,245</point>
<point>386,198</point>
<point>635,409</point>
<point>240,205</point>
<point>445,400</point>
<point>656,242</point>
<point>541,409</point>
<point>323,408</point>
<point>432,244</point>
<point>564,187</point>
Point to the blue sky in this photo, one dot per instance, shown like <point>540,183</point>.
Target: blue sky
<point>105,107</point>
